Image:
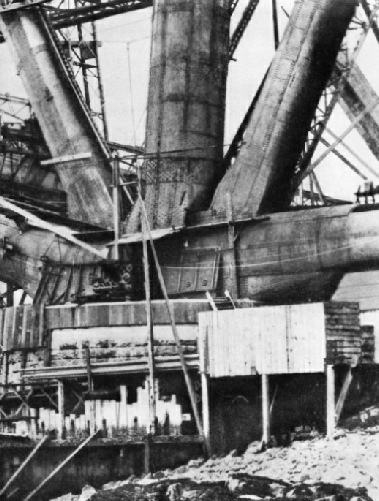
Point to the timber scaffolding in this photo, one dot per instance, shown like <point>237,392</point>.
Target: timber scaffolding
<point>80,369</point>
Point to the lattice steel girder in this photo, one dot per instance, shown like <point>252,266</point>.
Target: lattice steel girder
<point>242,25</point>
<point>93,11</point>
<point>20,5</point>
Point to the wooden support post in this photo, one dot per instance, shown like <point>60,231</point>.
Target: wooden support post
<point>61,421</point>
<point>344,391</point>
<point>92,419</point>
<point>4,368</point>
<point>88,366</point>
<point>123,406</point>
<point>150,333</point>
<point>330,400</point>
<point>206,412</point>
<point>265,409</point>
<point>25,463</point>
<point>47,348</point>
<point>232,284</point>
<point>10,295</point>
<point>116,207</point>
<point>41,325</point>
<point>147,455</point>
<point>58,468</point>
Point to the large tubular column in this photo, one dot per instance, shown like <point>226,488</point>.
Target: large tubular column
<point>260,178</point>
<point>64,120</point>
<point>186,107</point>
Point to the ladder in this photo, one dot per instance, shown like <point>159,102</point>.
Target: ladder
<point>221,303</point>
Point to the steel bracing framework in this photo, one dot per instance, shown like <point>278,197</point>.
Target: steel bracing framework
<point>336,91</point>
<point>88,11</point>
<point>81,47</point>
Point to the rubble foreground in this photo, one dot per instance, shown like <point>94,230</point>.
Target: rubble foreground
<point>343,467</point>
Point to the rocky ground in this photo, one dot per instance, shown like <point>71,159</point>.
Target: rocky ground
<point>344,467</point>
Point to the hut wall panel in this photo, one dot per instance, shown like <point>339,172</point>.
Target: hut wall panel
<point>270,338</point>
<point>343,332</point>
<point>267,340</point>
<point>2,315</point>
<point>306,353</point>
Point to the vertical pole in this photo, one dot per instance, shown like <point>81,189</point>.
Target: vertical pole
<point>275,23</point>
<point>60,409</point>
<point>206,412</point>
<point>330,400</point>
<point>10,295</point>
<point>4,368</point>
<point>100,82</point>
<point>47,349</point>
<point>233,286</point>
<point>92,405</point>
<point>150,333</point>
<point>344,391</point>
<point>301,188</point>
<point>123,406</point>
<point>88,365</point>
<point>83,65</point>
<point>148,444</point>
<point>311,190</point>
<point>92,411</point>
<point>116,207</point>
<point>131,91</point>
<point>265,409</point>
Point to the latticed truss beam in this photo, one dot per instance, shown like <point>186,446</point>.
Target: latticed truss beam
<point>233,5</point>
<point>241,26</point>
<point>93,11</point>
